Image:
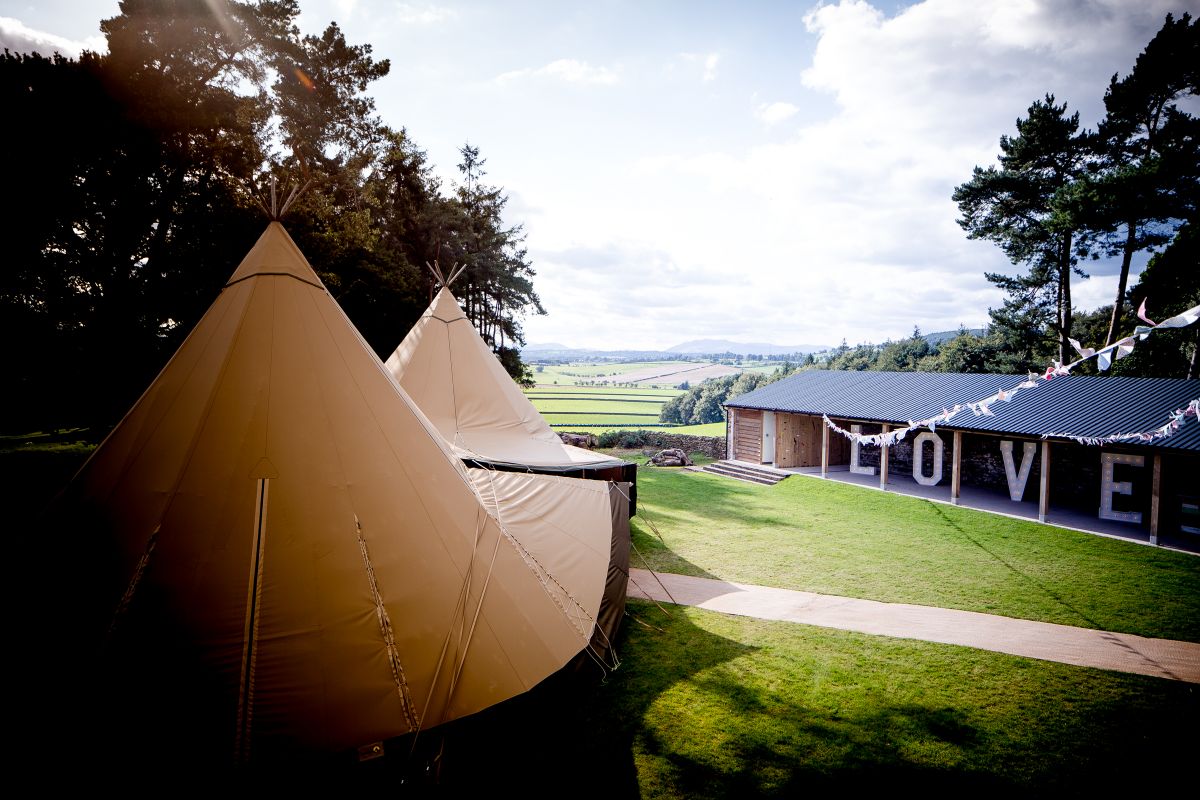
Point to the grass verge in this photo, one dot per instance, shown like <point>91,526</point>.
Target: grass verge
<point>833,538</point>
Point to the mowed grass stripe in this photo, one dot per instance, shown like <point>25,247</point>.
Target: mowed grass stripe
<point>569,418</point>
<point>591,406</point>
<point>602,407</point>
<point>625,398</point>
<point>595,414</point>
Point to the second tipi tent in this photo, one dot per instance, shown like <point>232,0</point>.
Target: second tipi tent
<point>453,376</point>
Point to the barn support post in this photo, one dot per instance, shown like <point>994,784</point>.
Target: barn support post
<point>824,450</point>
<point>956,469</point>
<point>883,461</point>
<point>729,412</point>
<point>1044,488</point>
<point>1155,493</point>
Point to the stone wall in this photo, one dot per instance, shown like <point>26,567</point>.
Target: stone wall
<point>651,441</point>
<point>711,446</point>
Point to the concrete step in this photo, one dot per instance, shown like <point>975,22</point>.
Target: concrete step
<point>761,470</point>
<point>746,472</point>
<point>740,476</point>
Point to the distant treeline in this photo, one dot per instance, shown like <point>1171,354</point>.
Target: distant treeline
<point>966,352</point>
<point>556,357</point>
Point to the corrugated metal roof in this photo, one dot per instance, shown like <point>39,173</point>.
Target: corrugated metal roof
<point>1067,405</point>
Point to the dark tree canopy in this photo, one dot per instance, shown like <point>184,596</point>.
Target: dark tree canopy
<point>136,195</point>
<point>1147,165</point>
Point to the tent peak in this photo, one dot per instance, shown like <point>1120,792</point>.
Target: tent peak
<point>440,278</point>
<point>276,210</point>
<point>275,253</point>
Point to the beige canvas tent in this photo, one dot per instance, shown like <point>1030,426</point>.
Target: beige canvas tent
<point>453,376</point>
<point>567,524</point>
<point>284,557</point>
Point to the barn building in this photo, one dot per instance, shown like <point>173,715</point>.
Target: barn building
<point>1022,453</point>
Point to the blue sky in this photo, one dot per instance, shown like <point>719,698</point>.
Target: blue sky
<point>773,172</point>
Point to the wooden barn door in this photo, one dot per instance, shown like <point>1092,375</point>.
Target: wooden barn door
<point>747,436</point>
<point>785,440</point>
<point>809,432</point>
<point>805,449</point>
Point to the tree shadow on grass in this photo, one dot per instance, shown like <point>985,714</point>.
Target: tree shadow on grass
<point>774,747</point>
<point>813,751</point>
<point>572,735</point>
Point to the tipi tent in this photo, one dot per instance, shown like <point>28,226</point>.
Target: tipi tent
<point>567,524</point>
<point>455,379</point>
<point>284,557</point>
<point>453,376</point>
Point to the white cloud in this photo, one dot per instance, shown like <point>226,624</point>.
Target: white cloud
<point>771,113</point>
<point>409,14</point>
<point>707,62</point>
<point>567,70</point>
<point>848,227</point>
<point>19,38</point>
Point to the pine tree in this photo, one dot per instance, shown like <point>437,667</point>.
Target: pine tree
<point>1026,207</point>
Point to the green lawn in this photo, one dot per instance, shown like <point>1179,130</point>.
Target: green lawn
<point>834,538</point>
<point>706,705</point>
<point>715,706</point>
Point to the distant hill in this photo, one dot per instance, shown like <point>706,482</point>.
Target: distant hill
<point>744,348</point>
<point>936,339</point>
<point>533,352</point>
<point>695,347</point>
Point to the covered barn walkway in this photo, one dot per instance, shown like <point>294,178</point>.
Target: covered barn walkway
<point>997,502</point>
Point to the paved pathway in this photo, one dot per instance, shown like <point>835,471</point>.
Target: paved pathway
<point>1162,658</point>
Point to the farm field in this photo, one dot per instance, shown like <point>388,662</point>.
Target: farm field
<point>764,369</point>
<point>580,418</point>
<point>646,374</point>
<point>542,390</point>
<point>674,372</point>
<point>586,407</point>
<point>609,405</point>
<point>576,373</point>
<point>575,395</point>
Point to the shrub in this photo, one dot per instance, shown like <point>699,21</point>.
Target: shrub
<point>626,439</point>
